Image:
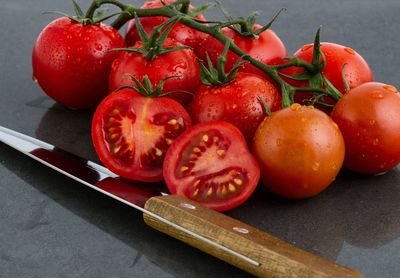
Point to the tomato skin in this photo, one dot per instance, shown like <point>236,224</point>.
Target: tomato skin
<point>236,102</point>
<point>182,63</point>
<point>208,167</point>
<point>268,48</point>
<point>368,117</point>
<point>71,64</point>
<point>356,70</point>
<point>179,33</point>
<point>300,151</point>
<point>140,132</point>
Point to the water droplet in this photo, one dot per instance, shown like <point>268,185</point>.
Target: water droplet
<point>375,142</point>
<point>98,47</point>
<point>390,88</point>
<point>316,166</point>
<point>377,95</point>
<point>303,120</point>
<point>306,47</point>
<point>34,79</point>
<point>295,106</point>
<point>86,38</point>
<point>349,50</point>
<point>278,142</point>
<point>372,122</point>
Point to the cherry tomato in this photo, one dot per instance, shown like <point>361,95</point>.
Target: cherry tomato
<point>267,48</point>
<point>300,151</point>
<point>210,163</point>
<point>236,102</point>
<point>71,63</point>
<point>356,69</point>
<point>369,118</point>
<point>179,33</point>
<point>131,133</point>
<point>181,63</point>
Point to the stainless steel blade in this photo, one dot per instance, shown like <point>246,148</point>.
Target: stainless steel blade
<point>96,177</point>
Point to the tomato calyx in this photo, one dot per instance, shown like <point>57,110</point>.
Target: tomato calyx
<point>245,27</point>
<point>153,43</point>
<point>319,85</point>
<point>146,89</point>
<point>212,76</point>
<point>89,18</point>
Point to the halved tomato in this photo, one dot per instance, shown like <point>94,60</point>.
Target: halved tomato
<point>131,133</point>
<point>211,164</point>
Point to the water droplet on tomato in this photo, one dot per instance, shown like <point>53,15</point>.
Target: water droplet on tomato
<point>306,47</point>
<point>98,47</point>
<point>316,166</point>
<point>375,142</point>
<point>377,95</point>
<point>295,106</point>
<point>390,88</point>
<point>372,122</point>
<point>350,50</point>
<point>278,142</point>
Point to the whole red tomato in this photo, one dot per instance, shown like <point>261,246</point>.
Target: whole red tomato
<point>369,118</point>
<point>71,63</point>
<point>180,32</point>
<point>211,164</point>
<point>236,102</point>
<point>180,63</point>
<point>267,48</point>
<point>131,133</point>
<point>300,151</point>
<point>356,69</point>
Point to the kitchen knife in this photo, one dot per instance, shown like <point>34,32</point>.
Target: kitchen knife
<point>214,233</point>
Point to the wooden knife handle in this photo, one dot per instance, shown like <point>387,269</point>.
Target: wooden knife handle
<point>276,258</point>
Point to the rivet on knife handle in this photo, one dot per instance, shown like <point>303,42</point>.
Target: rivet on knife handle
<point>274,257</point>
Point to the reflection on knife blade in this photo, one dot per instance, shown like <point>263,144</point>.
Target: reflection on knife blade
<point>99,178</point>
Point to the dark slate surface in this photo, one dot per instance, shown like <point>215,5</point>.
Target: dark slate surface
<point>53,227</point>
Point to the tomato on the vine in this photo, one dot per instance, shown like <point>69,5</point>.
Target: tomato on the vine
<point>300,151</point>
<point>131,133</point>
<point>267,48</point>
<point>211,164</point>
<point>338,58</point>
<point>236,102</point>
<point>71,63</point>
<point>180,63</point>
<point>369,118</point>
<point>180,33</point>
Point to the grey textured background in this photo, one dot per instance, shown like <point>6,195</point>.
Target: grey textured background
<point>53,227</point>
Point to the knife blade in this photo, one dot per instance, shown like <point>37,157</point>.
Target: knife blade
<point>221,236</point>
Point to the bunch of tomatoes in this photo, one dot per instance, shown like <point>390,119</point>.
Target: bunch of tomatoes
<point>174,103</point>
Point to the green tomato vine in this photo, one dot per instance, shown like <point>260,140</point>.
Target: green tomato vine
<point>318,84</point>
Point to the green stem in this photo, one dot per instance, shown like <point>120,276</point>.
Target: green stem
<point>286,89</point>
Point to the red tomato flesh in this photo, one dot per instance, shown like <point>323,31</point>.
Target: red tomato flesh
<point>132,133</point>
<point>211,164</point>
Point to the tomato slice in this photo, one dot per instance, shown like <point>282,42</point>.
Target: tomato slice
<point>132,133</point>
<point>211,164</point>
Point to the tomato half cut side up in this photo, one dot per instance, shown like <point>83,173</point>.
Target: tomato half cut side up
<point>211,164</point>
<point>131,133</point>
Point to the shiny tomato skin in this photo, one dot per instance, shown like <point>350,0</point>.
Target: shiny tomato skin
<point>357,70</point>
<point>132,133</point>
<point>236,102</point>
<point>369,118</point>
<point>181,63</point>
<point>179,33</point>
<point>211,164</point>
<point>71,63</point>
<point>300,151</point>
<point>267,48</point>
